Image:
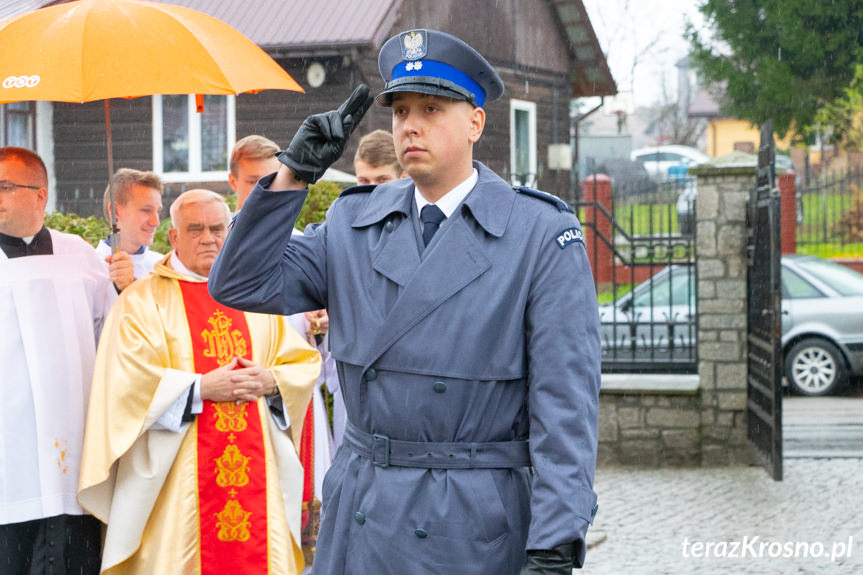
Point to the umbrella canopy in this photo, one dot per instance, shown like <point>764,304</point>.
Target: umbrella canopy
<point>99,49</point>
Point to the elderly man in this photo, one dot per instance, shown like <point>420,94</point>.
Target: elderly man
<point>464,323</point>
<point>54,296</point>
<point>138,200</point>
<point>188,455</point>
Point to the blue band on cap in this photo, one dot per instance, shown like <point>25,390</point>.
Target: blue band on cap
<point>434,69</point>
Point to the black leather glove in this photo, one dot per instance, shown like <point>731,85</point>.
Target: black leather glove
<point>321,138</point>
<point>557,561</point>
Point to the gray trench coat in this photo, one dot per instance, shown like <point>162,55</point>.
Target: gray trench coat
<point>485,339</point>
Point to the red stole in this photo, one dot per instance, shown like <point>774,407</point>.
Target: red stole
<point>232,485</point>
<point>311,514</point>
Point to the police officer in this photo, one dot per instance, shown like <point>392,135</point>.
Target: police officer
<point>464,323</point>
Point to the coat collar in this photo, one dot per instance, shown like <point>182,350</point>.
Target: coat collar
<point>385,199</point>
<point>490,202</point>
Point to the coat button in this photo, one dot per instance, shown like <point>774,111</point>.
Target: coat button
<point>388,226</point>
<point>371,374</point>
<point>359,518</point>
<point>439,386</point>
<point>421,533</point>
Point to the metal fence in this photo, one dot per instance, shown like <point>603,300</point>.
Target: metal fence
<point>830,216</point>
<point>648,298</point>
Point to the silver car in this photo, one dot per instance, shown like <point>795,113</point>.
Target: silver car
<point>822,322</point>
<point>653,325</point>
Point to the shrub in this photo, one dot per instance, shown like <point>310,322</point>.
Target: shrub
<point>94,228</point>
<point>321,196</point>
<point>91,228</point>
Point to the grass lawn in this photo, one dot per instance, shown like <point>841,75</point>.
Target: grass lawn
<point>607,296</point>
<point>831,250</point>
<point>820,232</point>
<point>642,219</point>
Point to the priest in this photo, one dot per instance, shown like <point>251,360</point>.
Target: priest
<point>190,453</point>
<point>54,296</point>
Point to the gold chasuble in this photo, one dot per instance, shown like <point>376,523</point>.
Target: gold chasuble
<point>221,494</point>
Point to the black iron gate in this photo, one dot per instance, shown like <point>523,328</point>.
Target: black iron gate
<point>763,309</point>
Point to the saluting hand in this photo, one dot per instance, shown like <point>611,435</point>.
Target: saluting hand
<point>321,138</point>
<point>121,269</point>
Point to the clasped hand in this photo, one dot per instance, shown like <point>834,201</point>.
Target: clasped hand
<point>239,380</point>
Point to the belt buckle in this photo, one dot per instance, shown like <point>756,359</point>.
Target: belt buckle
<point>378,441</point>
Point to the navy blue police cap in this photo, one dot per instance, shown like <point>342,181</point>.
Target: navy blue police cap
<point>433,62</point>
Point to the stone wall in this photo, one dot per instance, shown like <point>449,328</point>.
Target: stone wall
<point>649,420</point>
<point>695,420</point>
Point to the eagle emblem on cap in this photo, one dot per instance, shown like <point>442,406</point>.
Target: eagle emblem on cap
<point>413,45</point>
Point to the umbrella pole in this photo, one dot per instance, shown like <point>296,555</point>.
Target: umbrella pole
<point>115,231</point>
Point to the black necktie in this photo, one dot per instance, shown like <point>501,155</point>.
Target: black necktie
<point>431,217</point>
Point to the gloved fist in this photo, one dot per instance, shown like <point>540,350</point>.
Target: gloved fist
<point>321,139</point>
<point>557,561</point>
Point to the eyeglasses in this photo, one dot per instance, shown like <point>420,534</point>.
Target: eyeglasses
<point>8,187</point>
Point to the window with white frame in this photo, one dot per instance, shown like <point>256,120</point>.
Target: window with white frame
<point>189,146</point>
<point>18,125</point>
<point>522,142</point>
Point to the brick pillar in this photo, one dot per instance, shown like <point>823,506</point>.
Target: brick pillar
<point>598,188</point>
<point>788,211</point>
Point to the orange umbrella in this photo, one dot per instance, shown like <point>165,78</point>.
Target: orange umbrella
<point>99,49</point>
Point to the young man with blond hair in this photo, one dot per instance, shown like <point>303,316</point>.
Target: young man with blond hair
<point>138,199</point>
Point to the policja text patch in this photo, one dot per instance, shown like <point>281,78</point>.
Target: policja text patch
<point>569,236</point>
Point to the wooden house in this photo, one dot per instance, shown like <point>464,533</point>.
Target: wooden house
<point>545,51</point>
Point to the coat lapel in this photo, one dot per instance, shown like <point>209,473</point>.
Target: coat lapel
<point>397,257</point>
<point>456,259</point>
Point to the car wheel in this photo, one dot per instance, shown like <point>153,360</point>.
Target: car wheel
<point>815,367</point>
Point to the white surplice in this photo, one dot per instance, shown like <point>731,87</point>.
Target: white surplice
<point>144,261</point>
<point>51,311</point>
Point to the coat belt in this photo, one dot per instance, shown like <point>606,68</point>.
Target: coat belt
<point>386,452</point>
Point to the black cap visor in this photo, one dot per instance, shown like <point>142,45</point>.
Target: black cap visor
<point>424,85</point>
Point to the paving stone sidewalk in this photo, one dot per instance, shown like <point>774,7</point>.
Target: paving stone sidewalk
<point>645,516</point>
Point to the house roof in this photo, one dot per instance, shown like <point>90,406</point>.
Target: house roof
<point>591,76</point>
<point>704,106</point>
<point>9,8</point>
<point>300,24</point>
<point>297,27</point>
<point>294,24</point>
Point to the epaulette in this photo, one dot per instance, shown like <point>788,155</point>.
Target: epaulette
<point>553,200</point>
<point>357,190</point>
